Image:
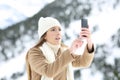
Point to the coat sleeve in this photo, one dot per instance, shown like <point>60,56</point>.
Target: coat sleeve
<point>40,65</point>
<point>84,60</point>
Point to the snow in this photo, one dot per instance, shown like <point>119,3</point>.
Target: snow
<point>107,21</point>
<point>108,25</point>
<point>12,66</point>
<point>86,75</point>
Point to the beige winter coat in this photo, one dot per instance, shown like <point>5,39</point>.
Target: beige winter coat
<point>37,65</point>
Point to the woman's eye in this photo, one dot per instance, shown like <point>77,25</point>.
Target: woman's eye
<point>52,29</point>
<point>55,29</point>
<point>59,29</point>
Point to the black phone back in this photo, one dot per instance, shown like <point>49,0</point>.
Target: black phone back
<point>84,23</point>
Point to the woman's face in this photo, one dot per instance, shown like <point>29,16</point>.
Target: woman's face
<point>53,35</point>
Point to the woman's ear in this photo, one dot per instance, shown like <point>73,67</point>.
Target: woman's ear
<point>45,37</point>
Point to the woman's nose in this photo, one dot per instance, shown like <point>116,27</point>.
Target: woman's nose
<point>58,32</point>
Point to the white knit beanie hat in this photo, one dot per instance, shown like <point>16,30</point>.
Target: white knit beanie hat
<point>46,23</point>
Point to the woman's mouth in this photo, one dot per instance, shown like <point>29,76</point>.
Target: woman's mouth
<point>57,38</point>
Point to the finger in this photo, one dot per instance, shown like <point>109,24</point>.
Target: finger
<point>84,29</point>
<point>79,42</point>
<point>86,33</point>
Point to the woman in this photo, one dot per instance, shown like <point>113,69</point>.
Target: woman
<point>50,59</point>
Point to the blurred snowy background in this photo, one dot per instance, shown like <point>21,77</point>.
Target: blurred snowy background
<point>18,32</point>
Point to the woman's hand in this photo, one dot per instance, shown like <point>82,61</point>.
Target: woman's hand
<point>75,45</point>
<point>86,34</point>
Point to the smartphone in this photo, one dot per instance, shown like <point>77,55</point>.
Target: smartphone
<point>84,23</point>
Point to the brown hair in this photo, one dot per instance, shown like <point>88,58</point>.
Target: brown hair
<point>41,41</point>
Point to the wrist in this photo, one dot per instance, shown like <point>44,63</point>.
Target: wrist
<point>90,49</point>
<point>89,41</point>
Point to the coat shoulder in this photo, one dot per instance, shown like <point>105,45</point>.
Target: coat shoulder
<point>34,51</point>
